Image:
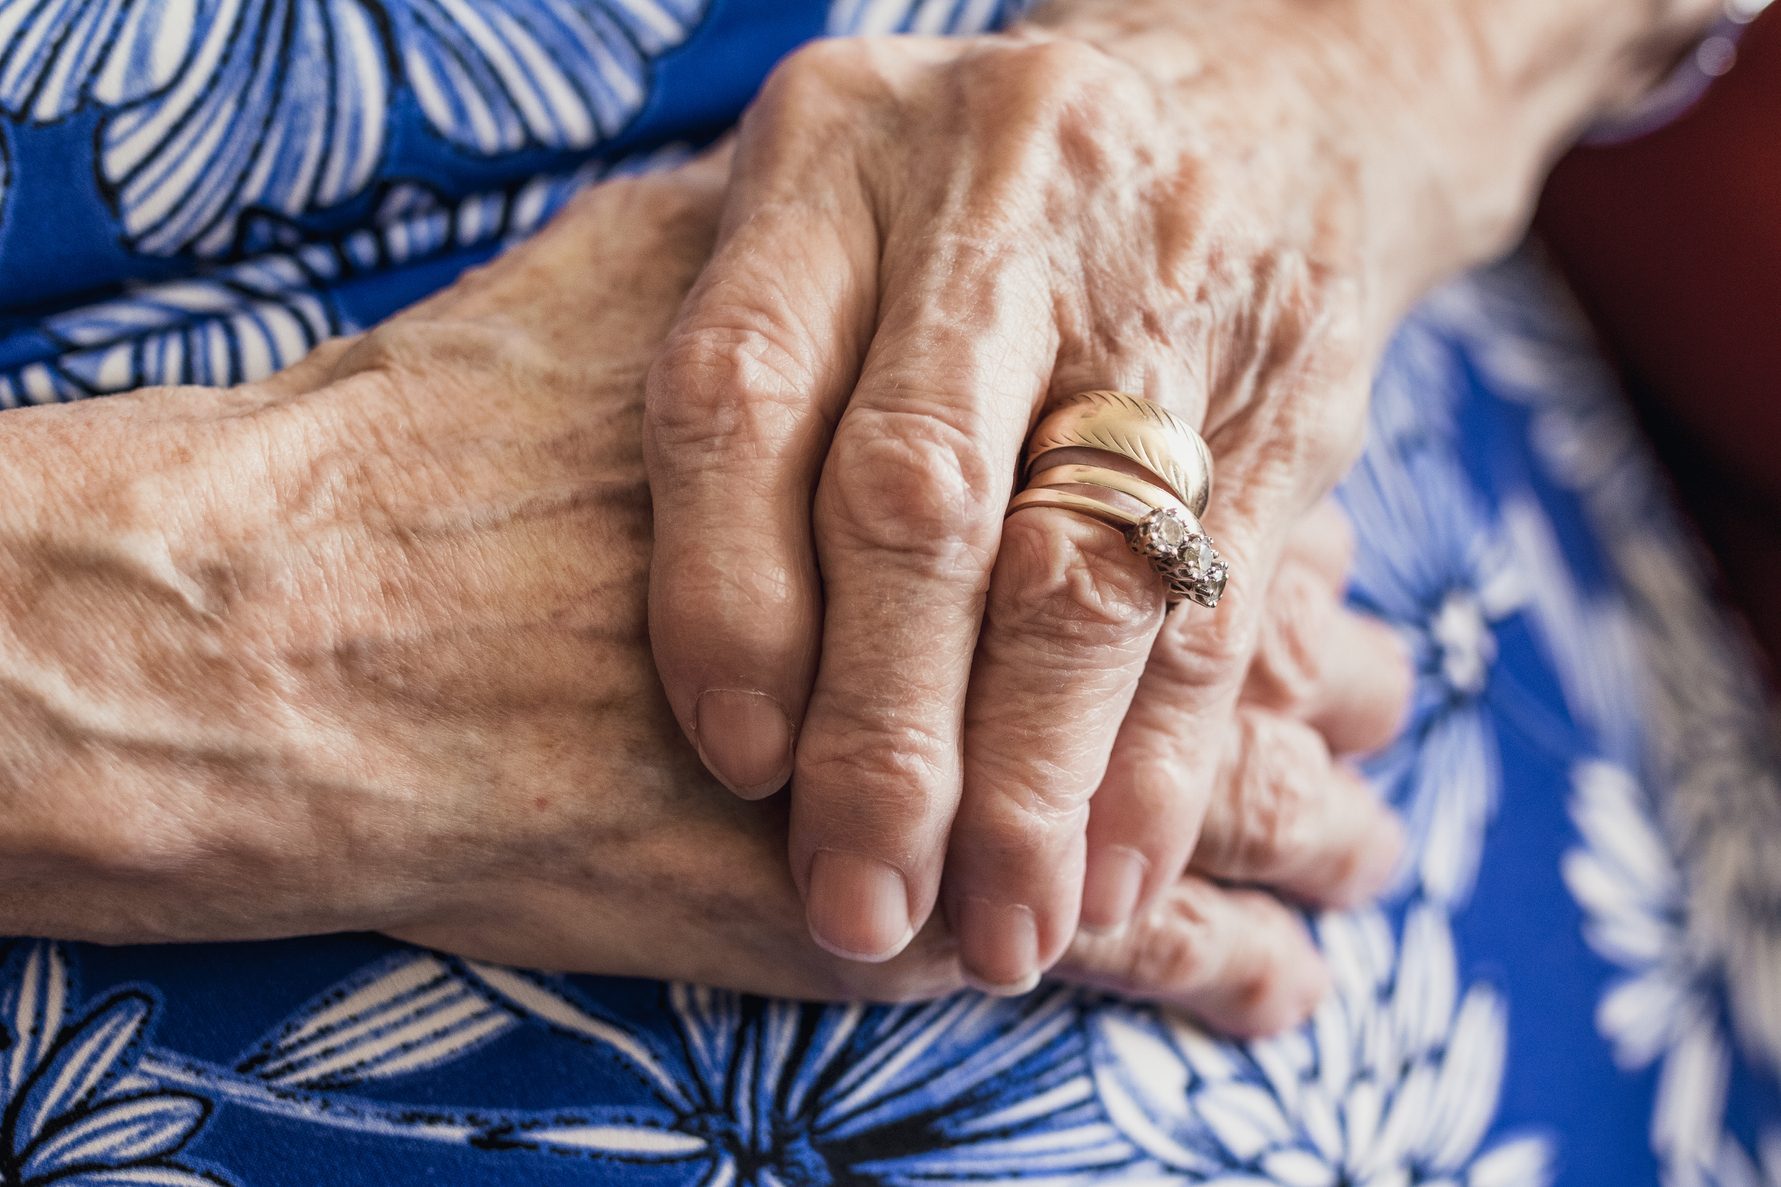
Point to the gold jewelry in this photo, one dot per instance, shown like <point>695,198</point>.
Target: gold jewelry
<point>1167,533</point>
<point>1136,429</point>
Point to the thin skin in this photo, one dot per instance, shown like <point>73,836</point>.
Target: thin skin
<point>363,647</point>
<point>1223,206</point>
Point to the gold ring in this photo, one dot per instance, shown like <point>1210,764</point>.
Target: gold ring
<point>1163,526</point>
<point>1136,429</point>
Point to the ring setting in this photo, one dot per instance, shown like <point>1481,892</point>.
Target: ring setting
<point>1153,488</point>
<point>1182,555</point>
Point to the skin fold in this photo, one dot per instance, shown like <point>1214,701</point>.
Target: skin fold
<point>1225,206</point>
<point>364,647</point>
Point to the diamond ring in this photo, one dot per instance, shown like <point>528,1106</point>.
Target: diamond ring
<point>1182,554</point>
<point>1155,496</point>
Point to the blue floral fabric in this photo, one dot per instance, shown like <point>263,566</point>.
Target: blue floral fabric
<point>1577,976</point>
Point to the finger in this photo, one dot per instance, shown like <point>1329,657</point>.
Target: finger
<point>1145,818</point>
<point>1238,960</point>
<point>1345,673</point>
<point>739,411</point>
<point>1070,617</point>
<point>1286,815</point>
<point>1145,814</point>
<point>908,516</point>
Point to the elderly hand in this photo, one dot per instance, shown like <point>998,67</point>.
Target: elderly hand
<point>362,647</point>
<point>925,241</point>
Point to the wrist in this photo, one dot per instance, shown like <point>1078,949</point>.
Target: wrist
<point>1439,121</point>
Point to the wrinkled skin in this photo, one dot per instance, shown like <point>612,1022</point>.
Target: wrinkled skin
<point>925,241</point>
<point>364,647</point>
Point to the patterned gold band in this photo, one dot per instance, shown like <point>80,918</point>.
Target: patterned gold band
<point>1136,429</point>
<point>1166,530</point>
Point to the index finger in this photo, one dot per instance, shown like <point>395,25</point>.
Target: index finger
<point>741,403</point>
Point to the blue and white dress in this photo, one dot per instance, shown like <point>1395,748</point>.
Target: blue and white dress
<point>1577,978</point>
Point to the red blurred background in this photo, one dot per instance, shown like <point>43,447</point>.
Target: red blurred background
<point>1673,246</point>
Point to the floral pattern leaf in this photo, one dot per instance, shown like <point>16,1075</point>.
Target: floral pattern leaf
<point>558,74</point>
<point>56,56</point>
<point>283,109</point>
<point>551,1002</point>
<point>1145,1088</point>
<point>82,1064</point>
<point>144,1176</point>
<point>38,991</point>
<point>1378,1090</point>
<point>259,318</point>
<point>395,1018</point>
<point>869,17</point>
<point>622,1136</point>
<point>130,1129</point>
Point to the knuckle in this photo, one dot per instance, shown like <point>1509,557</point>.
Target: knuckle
<point>1174,948</point>
<point>1064,116</point>
<point>890,774</point>
<point>1270,817</point>
<point>1030,825</point>
<point>429,352</point>
<point>802,89</point>
<point>1314,367</point>
<point>730,382</point>
<point>910,484</point>
<point>1255,982</point>
<point>1073,587</point>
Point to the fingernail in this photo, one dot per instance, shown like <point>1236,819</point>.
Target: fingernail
<point>857,907</point>
<point>745,739</point>
<point>999,946</point>
<point>1110,891</point>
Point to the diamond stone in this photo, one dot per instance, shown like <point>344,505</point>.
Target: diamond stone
<point>1168,530</point>
<point>1213,583</point>
<point>1161,533</point>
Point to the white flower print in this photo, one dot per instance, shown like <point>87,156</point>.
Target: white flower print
<point>861,17</point>
<point>226,120</point>
<point>1706,739</point>
<point>74,1112</point>
<point>1394,1082</point>
<point>243,322</point>
<point>1662,1008</point>
<point>56,57</point>
<point>742,1091</point>
<point>559,74</point>
<point>281,110</point>
<point>1679,872</point>
<point>770,1094</point>
<point>1733,1166</point>
<point>1438,571</point>
<point>1626,880</point>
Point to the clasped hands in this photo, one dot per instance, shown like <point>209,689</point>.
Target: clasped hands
<point>363,646</point>
<point>924,245</point>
